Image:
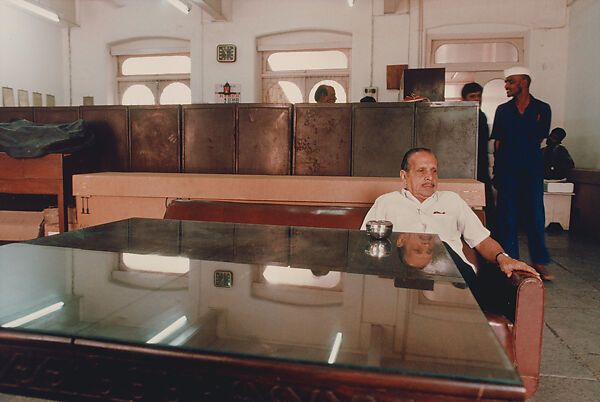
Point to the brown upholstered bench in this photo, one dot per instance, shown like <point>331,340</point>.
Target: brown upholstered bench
<point>518,327</point>
<point>268,214</point>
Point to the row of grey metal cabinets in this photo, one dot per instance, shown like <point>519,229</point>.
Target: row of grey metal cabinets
<point>356,139</point>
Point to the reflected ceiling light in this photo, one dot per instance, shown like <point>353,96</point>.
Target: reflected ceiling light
<point>335,349</point>
<point>170,330</point>
<point>36,9</point>
<point>351,3</point>
<point>181,6</point>
<point>34,316</point>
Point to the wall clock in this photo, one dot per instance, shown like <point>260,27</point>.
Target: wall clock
<point>226,53</point>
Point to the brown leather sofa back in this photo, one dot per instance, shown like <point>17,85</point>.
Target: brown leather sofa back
<point>268,214</point>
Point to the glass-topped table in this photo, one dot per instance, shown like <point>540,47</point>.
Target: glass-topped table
<point>166,309</point>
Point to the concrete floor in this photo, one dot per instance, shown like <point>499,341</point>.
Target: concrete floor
<point>570,368</point>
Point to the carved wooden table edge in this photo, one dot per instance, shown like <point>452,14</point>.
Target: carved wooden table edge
<point>75,369</point>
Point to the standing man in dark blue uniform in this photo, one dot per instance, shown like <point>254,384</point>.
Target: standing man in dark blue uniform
<point>519,127</point>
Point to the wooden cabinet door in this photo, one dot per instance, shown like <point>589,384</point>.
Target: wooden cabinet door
<point>381,135</point>
<point>208,138</point>
<point>109,125</point>
<point>264,138</point>
<point>55,115</point>
<point>449,129</point>
<point>322,139</point>
<point>154,138</point>
<point>11,113</point>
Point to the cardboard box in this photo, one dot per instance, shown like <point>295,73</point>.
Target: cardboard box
<point>558,187</point>
<point>50,224</point>
<point>20,225</point>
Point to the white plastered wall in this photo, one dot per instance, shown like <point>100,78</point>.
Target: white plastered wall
<point>32,54</point>
<point>251,19</point>
<point>562,47</point>
<point>543,23</point>
<point>101,24</point>
<point>582,97</point>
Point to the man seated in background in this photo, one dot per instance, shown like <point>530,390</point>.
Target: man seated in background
<point>557,161</point>
<point>325,94</point>
<point>420,208</point>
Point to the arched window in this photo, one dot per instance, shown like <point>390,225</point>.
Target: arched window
<point>161,65</point>
<point>284,92</point>
<point>295,63</point>
<point>176,93</point>
<point>138,94</point>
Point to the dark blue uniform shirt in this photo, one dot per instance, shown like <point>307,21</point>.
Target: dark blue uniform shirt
<point>520,137</point>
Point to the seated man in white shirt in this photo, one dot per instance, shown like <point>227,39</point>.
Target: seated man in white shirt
<point>420,208</point>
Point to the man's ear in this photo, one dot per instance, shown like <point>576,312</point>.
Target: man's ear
<point>401,240</point>
<point>403,174</point>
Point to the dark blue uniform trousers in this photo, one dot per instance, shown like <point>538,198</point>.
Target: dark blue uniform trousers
<point>525,193</point>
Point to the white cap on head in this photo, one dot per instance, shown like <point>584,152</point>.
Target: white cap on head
<point>517,71</point>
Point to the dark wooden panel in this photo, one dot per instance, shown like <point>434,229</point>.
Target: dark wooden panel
<point>381,135</point>
<point>585,218</point>
<point>109,125</point>
<point>264,135</point>
<point>154,138</point>
<point>55,115</point>
<point>208,138</point>
<point>90,370</point>
<point>10,113</point>
<point>450,130</point>
<point>322,139</point>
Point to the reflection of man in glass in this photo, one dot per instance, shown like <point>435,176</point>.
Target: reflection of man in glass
<point>416,249</point>
<point>426,253</point>
<point>325,94</point>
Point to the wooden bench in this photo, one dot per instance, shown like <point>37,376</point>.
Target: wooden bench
<point>517,319</point>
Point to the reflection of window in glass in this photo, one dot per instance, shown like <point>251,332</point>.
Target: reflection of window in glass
<point>301,277</point>
<point>340,93</point>
<point>156,65</point>
<point>138,95</point>
<point>175,94</point>
<point>312,60</point>
<point>156,263</point>
<point>490,52</point>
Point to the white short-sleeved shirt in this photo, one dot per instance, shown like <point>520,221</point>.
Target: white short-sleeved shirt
<point>444,213</point>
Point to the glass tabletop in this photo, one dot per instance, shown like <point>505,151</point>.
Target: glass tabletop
<point>311,295</point>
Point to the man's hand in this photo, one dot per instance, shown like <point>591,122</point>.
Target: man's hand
<point>508,265</point>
